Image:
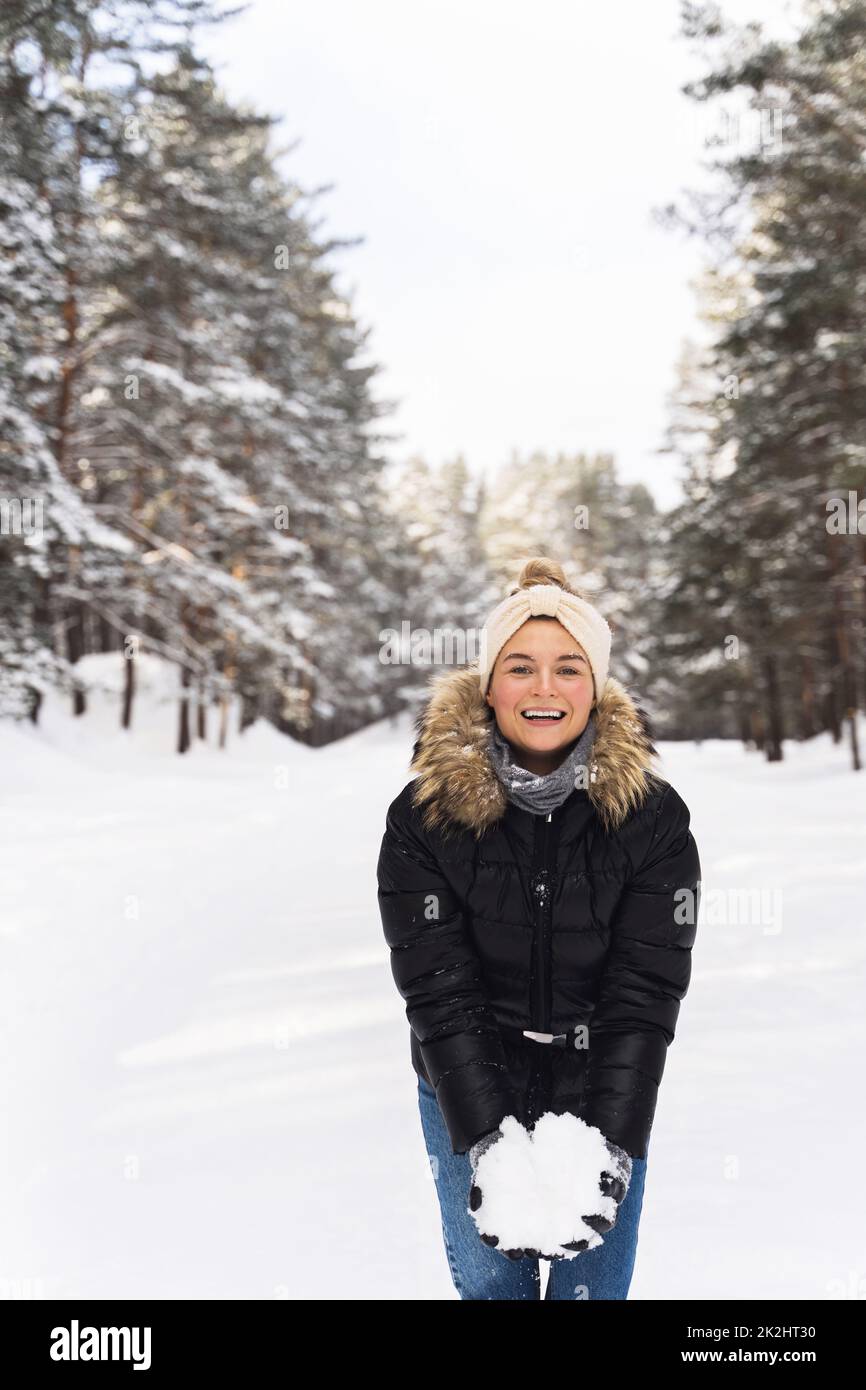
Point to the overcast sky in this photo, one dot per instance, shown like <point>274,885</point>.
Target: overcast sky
<point>502,162</point>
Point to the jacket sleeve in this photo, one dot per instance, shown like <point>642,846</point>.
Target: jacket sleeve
<point>645,977</point>
<point>438,973</point>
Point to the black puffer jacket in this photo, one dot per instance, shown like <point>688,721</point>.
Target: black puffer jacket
<point>596,930</point>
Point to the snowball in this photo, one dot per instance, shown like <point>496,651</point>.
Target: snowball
<point>537,1185</point>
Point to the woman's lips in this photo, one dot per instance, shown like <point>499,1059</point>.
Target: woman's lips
<point>539,719</point>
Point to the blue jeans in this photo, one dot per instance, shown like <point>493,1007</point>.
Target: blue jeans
<point>480,1272</point>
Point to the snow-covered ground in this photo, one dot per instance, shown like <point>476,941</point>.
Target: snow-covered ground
<point>206,1082</point>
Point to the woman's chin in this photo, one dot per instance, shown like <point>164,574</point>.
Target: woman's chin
<point>546,735</point>
<point>546,741</point>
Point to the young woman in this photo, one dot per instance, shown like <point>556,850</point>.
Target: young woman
<point>539,887</point>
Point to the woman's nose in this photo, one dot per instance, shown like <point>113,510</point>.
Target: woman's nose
<point>543,686</point>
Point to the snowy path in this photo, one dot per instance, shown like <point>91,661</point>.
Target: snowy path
<point>206,1080</point>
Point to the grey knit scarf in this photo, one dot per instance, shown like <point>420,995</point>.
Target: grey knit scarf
<point>532,791</point>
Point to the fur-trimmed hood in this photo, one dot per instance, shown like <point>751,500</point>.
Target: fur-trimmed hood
<point>457,785</point>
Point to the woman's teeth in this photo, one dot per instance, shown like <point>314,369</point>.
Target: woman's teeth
<point>549,716</point>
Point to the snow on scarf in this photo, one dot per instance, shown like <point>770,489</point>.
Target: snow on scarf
<point>542,793</point>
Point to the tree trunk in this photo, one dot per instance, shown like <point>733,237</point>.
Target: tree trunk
<point>35,702</point>
<point>224,721</point>
<point>831,712</point>
<point>851,717</point>
<point>756,719</point>
<point>201,714</point>
<point>848,677</point>
<point>128,688</point>
<point>249,711</point>
<point>862,644</point>
<point>775,729</point>
<point>183,738</point>
<point>75,634</point>
<point>808,726</point>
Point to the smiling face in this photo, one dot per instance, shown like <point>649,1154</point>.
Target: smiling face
<point>541,667</point>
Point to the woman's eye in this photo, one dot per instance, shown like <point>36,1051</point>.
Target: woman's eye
<point>565,671</point>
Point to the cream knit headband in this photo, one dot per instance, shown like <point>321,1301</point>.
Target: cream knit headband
<point>578,617</point>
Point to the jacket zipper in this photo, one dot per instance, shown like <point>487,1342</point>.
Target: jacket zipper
<point>541,889</point>
<point>542,883</point>
<point>538,891</point>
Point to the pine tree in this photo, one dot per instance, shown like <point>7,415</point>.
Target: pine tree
<point>790,266</point>
<point>189,384</point>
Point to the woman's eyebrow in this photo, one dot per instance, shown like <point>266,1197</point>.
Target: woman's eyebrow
<point>569,656</point>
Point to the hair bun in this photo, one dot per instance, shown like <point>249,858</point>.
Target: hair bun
<point>541,569</point>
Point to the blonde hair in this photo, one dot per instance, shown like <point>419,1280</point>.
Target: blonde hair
<point>541,569</point>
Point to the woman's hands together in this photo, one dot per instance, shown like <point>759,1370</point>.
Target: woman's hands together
<point>549,1193</point>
